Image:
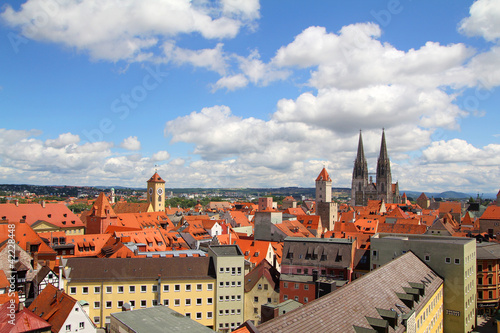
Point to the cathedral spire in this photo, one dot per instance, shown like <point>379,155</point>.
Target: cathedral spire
<point>360,165</point>
<point>361,152</point>
<point>383,148</point>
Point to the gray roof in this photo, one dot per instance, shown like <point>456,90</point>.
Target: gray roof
<point>285,306</point>
<point>226,250</point>
<point>112,269</point>
<point>488,250</point>
<point>158,319</point>
<point>425,238</point>
<point>363,302</point>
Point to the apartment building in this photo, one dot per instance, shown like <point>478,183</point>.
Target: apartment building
<point>453,258</point>
<point>229,265</point>
<point>185,284</point>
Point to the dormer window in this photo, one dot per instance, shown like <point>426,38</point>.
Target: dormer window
<point>49,215</point>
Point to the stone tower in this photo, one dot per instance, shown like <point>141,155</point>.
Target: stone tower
<point>156,193</point>
<point>325,208</point>
<point>384,178</point>
<point>359,176</point>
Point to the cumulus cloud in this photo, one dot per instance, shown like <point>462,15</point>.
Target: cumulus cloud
<point>484,20</point>
<point>63,140</point>
<point>131,143</point>
<point>127,30</point>
<point>160,156</point>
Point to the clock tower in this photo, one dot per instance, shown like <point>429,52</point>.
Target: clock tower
<point>156,193</point>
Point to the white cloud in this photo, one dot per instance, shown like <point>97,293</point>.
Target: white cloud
<point>63,140</point>
<point>484,20</point>
<point>211,59</point>
<point>131,143</point>
<point>231,82</point>
<point>126,30</point>
<point>162,155</point>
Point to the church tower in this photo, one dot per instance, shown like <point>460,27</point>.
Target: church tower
<point>359,176</point>
<point>323,187</point>
<point>384,178</point>
<point>156,193</point>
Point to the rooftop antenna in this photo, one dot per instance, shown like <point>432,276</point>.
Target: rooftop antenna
<point>156,167</point>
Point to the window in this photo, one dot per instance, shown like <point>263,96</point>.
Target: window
<point>457,261</point>
<point>259,286</point>
<point>233,283</point>
<point>266,286</point>
<point>239,270</point>
<point>490,280</point>
<point>68,328</point>
<point>427,258</point>
<point>255,310</point>
<point>227,298</point>
<point>144,289</point>
<point>132,303</point>
<point>198,301</point>
<point>479,280</point>
<point>256,299</point>
<point>209,315</point>
<point>269,300</point>
<point>228,269</point>
<point>97,290</point>
<point>177,287</point>
<point>299,271</point>
<point>221,298</point>
<point>165,288</point>
<point>97,305</point>
<point>306,299</point>
<point>188,301</point>
<point>221,270</point>
<point>109,304</point>
<point>154,288</point>
<point>296,298</point>
<point>199,287</point>
<point>306,287</point>
<point>221,284</point>
<point>85,290</point>
<point>165,302</point>
<point>227,284</point>
<point>221,312</point>
<point>209,300</point>
<point>479,268</point>
<point>120,304</point>
<point>97,320</point>
<point>238,311</point>
<point>233,297</point>
<point>131,289</point>
<point>109,290</point>
<point>490,294</point>
<point>447,260</point>
<point>227,312</point>
<point>120,289</point>
<point>210,286</point>
<point>296,286</point>
<point>143,303</point>
<point>233,271</point>
<point>72,290</point>
<point>188,315</point>
<point>238,297</point>
<point>198,315</point>
<point>154,302</point>
<point>285,284</point>
<point>239,283</point>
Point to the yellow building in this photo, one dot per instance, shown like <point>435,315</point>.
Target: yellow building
<point>430,317</point>
<point>185,284</point>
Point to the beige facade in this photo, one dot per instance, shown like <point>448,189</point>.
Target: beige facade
<point>229,266</point>
<point>261,293</point>
<point>452,258</point>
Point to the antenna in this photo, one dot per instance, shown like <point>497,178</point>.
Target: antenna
<point>156,167</point>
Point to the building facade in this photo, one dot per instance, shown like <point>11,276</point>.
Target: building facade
<point>156,192</point>
<point>229,264</point>
<point>453,258</point>
<point>325,208</point>
<point>488,284</point>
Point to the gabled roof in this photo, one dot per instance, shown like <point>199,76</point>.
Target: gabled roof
<point>24,235</point>
<point>450,207</point>
<point>263,269</point>
<point>25,321</point>
<point>295,211</point>
<point>350,305</point>
<point>254,250</point>
<point>54,306</point>
<point>401,228</point>
<point>88,245</point>
<point>133,207</point>
<point>323,176</point>
<point>4,283</point>
<point>294,229</point>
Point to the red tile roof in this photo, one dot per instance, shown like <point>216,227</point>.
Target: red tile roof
<point>25,235</point>
<point>25,321</point>
<point>53,305</point>
<point>323,176</point>
<point>156,179</point>
<point>57,214</point>
<point>102,207</point>
<point>491,213</point>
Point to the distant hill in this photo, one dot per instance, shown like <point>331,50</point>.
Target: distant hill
<point>449,195</point>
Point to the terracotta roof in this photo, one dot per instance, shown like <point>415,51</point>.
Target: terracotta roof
<point>400,228</point>
<point>350,305</point>
<point>132,207</point>
<point>323,176</point>
<point>88,245</point>
<point>294,229</point>
<point>295,211</point>
<point>24,235</point>
<point>25,321</point>
<point>254,250</point>
<point>4,283</point>
<point>57,214</point>
<point>102,207</point>
<point>450,207</point>
<point>367,225</point>
<point>54,306</point>
<point>491,213</point>
<point>156,179</point>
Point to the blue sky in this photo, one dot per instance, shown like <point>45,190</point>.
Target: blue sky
<point>242,93</point>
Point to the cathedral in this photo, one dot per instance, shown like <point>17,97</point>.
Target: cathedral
<point>364,188</point>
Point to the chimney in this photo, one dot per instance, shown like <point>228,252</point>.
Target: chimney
<point>61,267</point>
<point>16,202</point>
<point>43,203</point>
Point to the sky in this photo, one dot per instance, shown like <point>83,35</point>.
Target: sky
<point>242,93</point>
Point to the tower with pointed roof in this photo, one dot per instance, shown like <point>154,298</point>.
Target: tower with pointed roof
<point>156,192</point>
<point>359,176</point>
<point>382,189</point>
<point>101,216</point>
<point>325,208</point>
